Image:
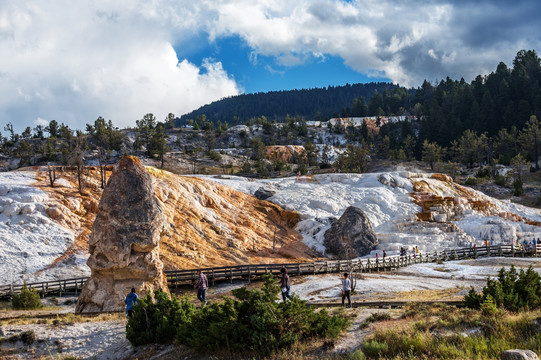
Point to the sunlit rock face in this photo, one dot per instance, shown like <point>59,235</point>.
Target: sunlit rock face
<point>124,243</point>
<point>283,152</point>
<point>215,225</point>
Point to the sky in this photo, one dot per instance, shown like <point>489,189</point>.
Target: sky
<point>74,61</point>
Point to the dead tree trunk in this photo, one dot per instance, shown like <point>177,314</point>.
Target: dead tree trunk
<point>52,175</point>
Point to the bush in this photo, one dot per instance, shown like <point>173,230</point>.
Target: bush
<point>379,316</point>
<point>375,349</point>
<point>158,320</point>
<point>27,299</point>
<point>473,299</point>
<point>483,173</point>
<point>511,290</point>
<point>471,181</point>
<point>500,180</point>
<point>213,155</point>
<point>252,322</point>
<point>488,308</point>
<point>28,337</point>
<point>517,184</point>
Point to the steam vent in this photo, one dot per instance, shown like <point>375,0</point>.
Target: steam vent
<point>124,241</point>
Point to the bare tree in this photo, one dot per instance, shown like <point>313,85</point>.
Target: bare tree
<point>195,153</point>
<point>52,174</point>
<point>103,167</point>
<point>77,160</point>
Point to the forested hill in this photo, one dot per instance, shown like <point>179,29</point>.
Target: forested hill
<point>312,104</point>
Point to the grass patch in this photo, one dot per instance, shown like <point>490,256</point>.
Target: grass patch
<point>63,319</point>
<point>375,317</point>
<point>441,269</point>
<point>444,332</point>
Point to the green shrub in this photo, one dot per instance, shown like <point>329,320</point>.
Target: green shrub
<point>471,181</point>
<point>28,337</point>
<point>27,299</point>
<point>379,316</point>
<point>158,320</point>
<point>517,185</point>
<point>375,348</point>
<point>511,290</point>
<point>473,299</point>
<point>252,322</point>
<point>500,180</point>
<point>483,173</point>
<point>488,308</point>
<point>213,155</point>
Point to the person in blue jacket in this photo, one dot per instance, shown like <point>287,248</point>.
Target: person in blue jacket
<point>131,299</point>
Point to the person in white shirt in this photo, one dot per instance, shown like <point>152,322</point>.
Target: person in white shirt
<point>346,290</point>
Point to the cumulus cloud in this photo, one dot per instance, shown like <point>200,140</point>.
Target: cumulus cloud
<point>403,41</point>
<point>76,60</point>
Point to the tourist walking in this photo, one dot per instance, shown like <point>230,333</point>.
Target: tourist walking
<point>202,285</point>
<point>346,290</point>
<point>131,299</point>
<point>284,284</point>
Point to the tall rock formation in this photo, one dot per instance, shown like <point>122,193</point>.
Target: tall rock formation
<point>351,236</point>
<point>124,241</point>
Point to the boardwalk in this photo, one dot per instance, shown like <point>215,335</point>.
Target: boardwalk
<point>177,278</point>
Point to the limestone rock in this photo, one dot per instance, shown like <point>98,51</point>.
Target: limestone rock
<point>351,236</point>
<point>518,354</point>
<point>124,242</point>
<point>264,194</point>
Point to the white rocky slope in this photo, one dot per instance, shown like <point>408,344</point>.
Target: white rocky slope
<point>29,239</point>
<point>387,200</point>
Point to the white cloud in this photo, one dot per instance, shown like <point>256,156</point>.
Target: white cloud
<point>40,121</point>
<point>403,41</point>
<point>76,60</point>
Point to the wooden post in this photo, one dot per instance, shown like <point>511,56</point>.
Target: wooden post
<point>231,275</point>
<point>213,277</point>
<point>314,265</point>
<point>249,274</point>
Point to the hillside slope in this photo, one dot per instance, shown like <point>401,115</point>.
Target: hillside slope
<point>215,220</point>
<point>44,231</point>
<point>317,103</point>
<point>406,209</point>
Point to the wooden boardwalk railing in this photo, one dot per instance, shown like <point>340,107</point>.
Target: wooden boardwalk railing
<point>252,271</point>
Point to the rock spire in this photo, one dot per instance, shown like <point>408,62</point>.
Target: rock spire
<point>124,241</point>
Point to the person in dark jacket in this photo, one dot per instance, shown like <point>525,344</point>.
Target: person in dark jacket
<point>131,299</point>
<point>202,286</point>
<point>284,284</point>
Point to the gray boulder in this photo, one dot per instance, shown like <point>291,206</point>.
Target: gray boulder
<point>264,194</point>
<point>518,354</point>
<point>351,236</point>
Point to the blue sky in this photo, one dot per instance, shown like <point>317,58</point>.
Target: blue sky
<point>264,74</point>
<point>74,61</point>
